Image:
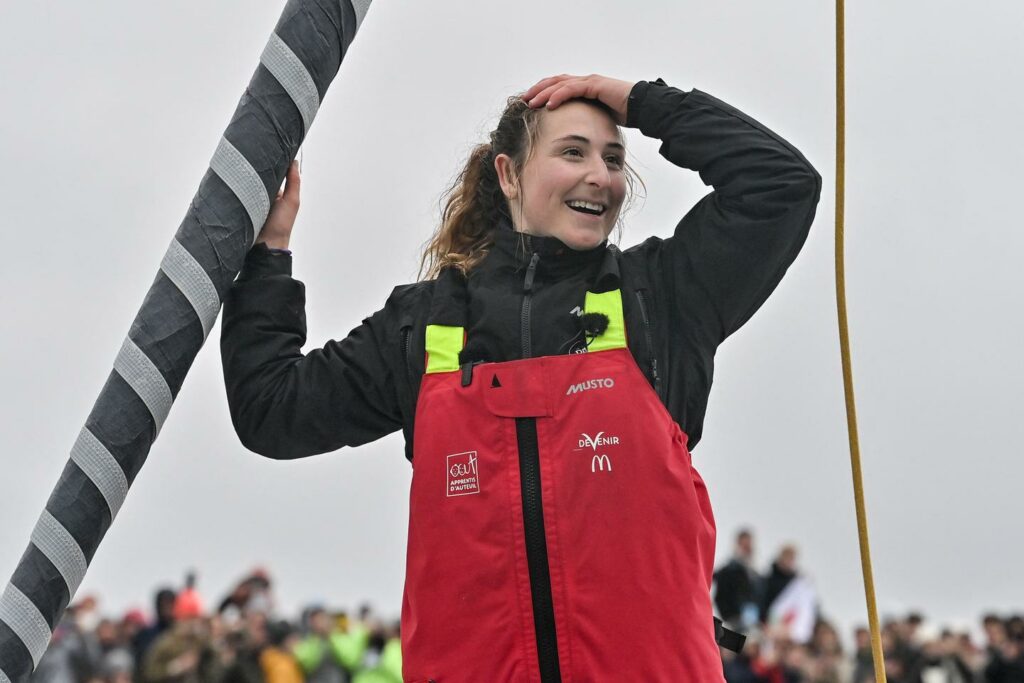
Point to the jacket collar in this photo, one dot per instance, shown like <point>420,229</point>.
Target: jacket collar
<point>556,259</point>
<point>513,250</point>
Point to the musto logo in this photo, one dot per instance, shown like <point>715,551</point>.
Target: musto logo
<point>463,477</point>
<point>605,383</point>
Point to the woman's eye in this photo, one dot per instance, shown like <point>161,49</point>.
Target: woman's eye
<point>616,161</point>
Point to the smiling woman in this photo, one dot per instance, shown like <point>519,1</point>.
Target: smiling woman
<point>577,166</point>
<point>577,163</point>
<point>535,549</point>
<point>542,162</point>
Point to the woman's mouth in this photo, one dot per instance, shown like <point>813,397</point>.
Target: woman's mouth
<point>586,208</point>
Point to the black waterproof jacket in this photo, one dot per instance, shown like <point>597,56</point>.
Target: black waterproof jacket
<point>683,295</point>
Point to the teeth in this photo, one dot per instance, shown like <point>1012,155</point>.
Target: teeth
<point>586,205</point>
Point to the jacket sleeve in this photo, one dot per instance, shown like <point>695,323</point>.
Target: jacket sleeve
<point>732,248</point>
<point>285,404</point>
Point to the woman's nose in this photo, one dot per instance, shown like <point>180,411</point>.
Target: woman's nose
<point>597,173</point>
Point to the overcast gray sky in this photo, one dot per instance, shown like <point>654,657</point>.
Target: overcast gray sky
<point>111,112</point>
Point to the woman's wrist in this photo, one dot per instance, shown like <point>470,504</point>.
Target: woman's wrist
<point>279,243</point>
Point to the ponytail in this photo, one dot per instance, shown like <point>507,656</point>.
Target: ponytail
<point>475,203</point>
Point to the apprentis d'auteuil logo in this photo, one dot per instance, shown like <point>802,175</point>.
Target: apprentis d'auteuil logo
<point>463,477</point>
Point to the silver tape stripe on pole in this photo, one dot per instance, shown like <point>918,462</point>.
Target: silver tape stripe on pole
<point>189,277</point>
<point>360,6</point>
<point>239,175</point>
<point>18,612</point>
<point>93,458</point>
<point>60,548</point>
<point>138,370</point>
<point>291,73</point>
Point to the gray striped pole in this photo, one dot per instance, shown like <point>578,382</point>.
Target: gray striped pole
<point>275,112</point>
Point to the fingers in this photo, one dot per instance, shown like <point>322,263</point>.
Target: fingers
<point>292,185</point>
<point>277,229</point>
<point>542,85</point>
<point>565,91</point>
<point>556,90</point>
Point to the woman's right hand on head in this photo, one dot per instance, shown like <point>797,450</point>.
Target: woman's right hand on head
<point>277,230</point>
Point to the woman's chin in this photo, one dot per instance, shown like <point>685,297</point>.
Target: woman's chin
<point>582,240</point>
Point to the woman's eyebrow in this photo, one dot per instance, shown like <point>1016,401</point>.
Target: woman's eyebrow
<point>586,141</point>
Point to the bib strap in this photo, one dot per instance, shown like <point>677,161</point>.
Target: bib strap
<point>727,638</point>
<point>444,343</point>
<point>609,304</point>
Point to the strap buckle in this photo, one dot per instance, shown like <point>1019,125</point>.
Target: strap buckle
<point>727,638</point>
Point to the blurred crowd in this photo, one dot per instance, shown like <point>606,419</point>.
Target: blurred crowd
<point>789,640</point>
<point>242,639</point>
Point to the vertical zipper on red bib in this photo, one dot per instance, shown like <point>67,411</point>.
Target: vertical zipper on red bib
<point>537,550</point>
<point>533,513</point>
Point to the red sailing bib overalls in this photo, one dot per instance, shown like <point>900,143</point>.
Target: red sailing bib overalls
<point>557,528</point>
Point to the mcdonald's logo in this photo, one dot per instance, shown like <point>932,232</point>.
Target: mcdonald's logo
<point>599,462</point>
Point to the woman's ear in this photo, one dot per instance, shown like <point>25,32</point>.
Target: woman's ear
<point>506,176</point>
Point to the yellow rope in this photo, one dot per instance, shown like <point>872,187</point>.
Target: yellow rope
<point>844,344</point>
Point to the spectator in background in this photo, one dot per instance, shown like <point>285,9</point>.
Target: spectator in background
<point>863,662</point>
<point>901,647</point>
<point>276,660</point>
<point>382,662</point>
<point>1015,628</point>
<point>1005,661</point>
<point>737,585</point>
<point>317,653</point>
<point>995,633</point>
<point>783,570</point>
<point>244,642</point>
<point>827,663</point>
<point>739,667</point>
<point>973,655</point>
<point>251,594</point>
<point>116,663</point>
<point>132,624</point>
<point>778,659</point>
<point>790,600</point>
<point>163,607</point>
<point>796,662</point>
<point>184,653</point>
<point>941,661</point>
<point>73,654</point>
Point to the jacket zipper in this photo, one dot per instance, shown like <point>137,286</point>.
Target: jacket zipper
<point>641,299</point>
<point>524,318</point>
<point>406,333</point>
<point>533,513</point>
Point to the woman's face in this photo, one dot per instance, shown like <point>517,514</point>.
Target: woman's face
<point>578,157</point>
